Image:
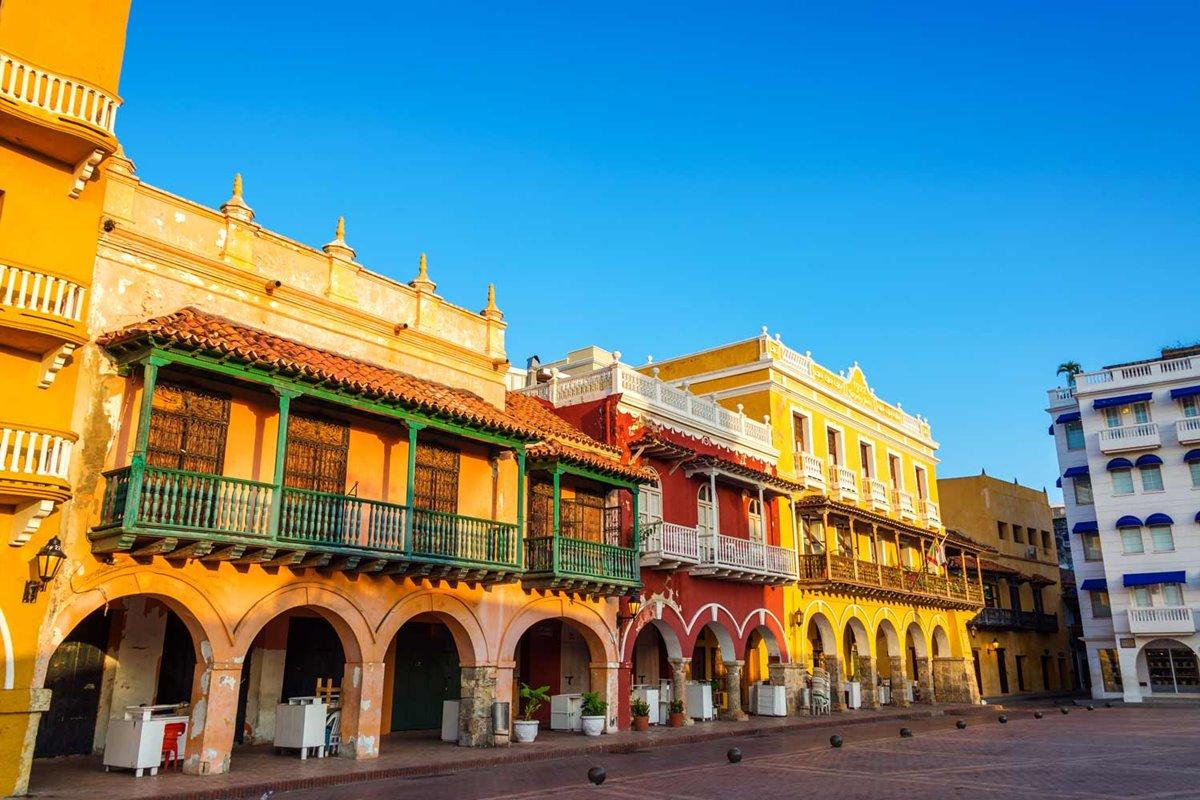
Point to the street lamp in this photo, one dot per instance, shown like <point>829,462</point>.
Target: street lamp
<point>630,607</point>
<point>49,560</point>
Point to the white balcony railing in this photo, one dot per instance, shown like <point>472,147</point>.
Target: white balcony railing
<point>667,545</point>
<point>1130,437</point>
<point>1164,619</point>
<point>931,514</point>
<point>842,483</point>
<point>658,396</point>
<point>1062,396</point>
<point>734,558</point>
<point>1132,374</point>
<point>40,294</point>
<point>875,492</point>
<point>1187,431</point>
<point>57,94</point>
<point>904,504</point>
<point>810,469</point>
<point>34,454</point>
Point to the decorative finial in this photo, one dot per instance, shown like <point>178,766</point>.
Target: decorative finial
<point>655,372</point>
<point>338,247</point>
<point>778,336</point>
<point>491,311</point>
<point>649,359</point>
<point>235,207</point>
<point>616,355</point>
<point>741,409</point>
<point>339,233</point>
<point>764,330</point>
<point>422,283</point>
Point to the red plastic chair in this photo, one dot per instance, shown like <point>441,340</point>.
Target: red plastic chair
<point>170,746</point>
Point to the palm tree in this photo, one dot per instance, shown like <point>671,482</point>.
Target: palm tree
<point>1070,369</point>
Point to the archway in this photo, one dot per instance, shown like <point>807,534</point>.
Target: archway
<point>135,651</point>
<point>1168,667</point>
<point>888,663</point>
<point>919,671</point>
<point>558,653</point>
<point>422,672</point>
<point>856,654</point>
<point>821,641</point>
<point>941,642</point>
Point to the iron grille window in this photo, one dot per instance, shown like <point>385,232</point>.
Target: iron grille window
<point>435,483</point>
<point>583,517</point>
<point>188,427</point>
<point>541,509</point>
<point>316,454</point>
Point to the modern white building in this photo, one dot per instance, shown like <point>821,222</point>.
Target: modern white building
<point>1128,440</point>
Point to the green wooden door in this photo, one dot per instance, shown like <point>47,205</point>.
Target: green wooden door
<point>426,673</point>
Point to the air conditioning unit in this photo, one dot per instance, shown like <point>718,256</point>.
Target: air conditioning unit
<point>1031,552</point>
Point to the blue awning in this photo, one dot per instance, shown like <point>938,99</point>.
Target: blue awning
<point>1058,483</point>
<point>1159,519</point>
<point>1123,400</point>
<point>1119,463</point>
<point>1094,585</point>
<point>1070,416</point>
<point>1148,460</point>
<point>1050,430</point>
<point>1086,527</point>
<point>1075,472</point>
<point>1129,521</point>
<point>1198,516</point>
<point>1191,455</point>
<point>1150,578</point>
<point>1186,391</point>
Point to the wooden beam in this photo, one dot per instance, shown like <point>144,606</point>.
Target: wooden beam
<point>228,553</point>
<point>194,550</point>
<point>160,547</point>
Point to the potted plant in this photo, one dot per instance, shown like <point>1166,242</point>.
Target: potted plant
<point>526,728</point>
<point>641,714</point>
<point>676,719</point>
<point>593,714</point>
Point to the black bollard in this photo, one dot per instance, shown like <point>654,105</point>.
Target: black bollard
<point>1003,719</point>
<point>961,724</point>
<point>1065,710</point>
<point>1037,715</point>
<point>734,755</point>
<point>1108,705</point>
<point>835,740</point>
<point>597,775</point>
<point>906,733</point>
<point>1091,707</point>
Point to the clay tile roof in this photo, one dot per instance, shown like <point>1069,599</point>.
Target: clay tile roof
<point>564,441</point>
<point>196,330</point>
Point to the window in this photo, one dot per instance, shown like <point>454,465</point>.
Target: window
<point>1151,478</point>
<point>316,454</point>
<point>814,536</point>
<point>188,429</point>
<point>866,457</point>
<point>1091,547</point>
<point>650,507</point>
<point>895,472</point>
<point>1195,467</point>
<point>1131,414</point>
<point>922,486</point>
<point>1141,596</point>
<point>800,433</point>
<point>1018,534</point>
<point>1161,540</point>
<point>435,482</point>
<point>1110,669</point>
<point>755,517</point>
<point>990,592</point>
<point>1083,489</point>
<point>704,510</point>
<point>1122,480</point>
<point>1131,541</point>
<point>1191,405</point>
<point>1100,606</point>
<point>1002,530</point>
<point>583,517</point>
<point>1045,540</point>
<point>1172,594</point>
<point>833,440</point>
<point>1074,432</point>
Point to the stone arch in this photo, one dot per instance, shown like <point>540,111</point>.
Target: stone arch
<point>775,643</point>
<point>600,637</point>
<point>650,617</point>
<point>725,627</point>
<point>819,621</point>
<point>891,638</point>
<point>853,619</point>
<point>941,642</point>
<point>725,640</point>
<point>450,610</point>
<point>914,632</point>
<point>357,637</point>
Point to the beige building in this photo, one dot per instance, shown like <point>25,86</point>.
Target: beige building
<point>1020,640</point>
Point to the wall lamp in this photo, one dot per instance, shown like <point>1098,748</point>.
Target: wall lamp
<point>49,560</point>
<point>630,606</point>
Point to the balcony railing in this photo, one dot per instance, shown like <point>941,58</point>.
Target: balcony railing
<point>1062,397</point>
<point>810,469</point>
<point>39,295</point>
<point>734,558</point>
<point>1133,374</point>
<point>904,504</point>
<point>568,559</point>
<point>931,514</point>
<point>1179,620</point>
<point>55,94</point>
<point>842,483</point>
<point>869,577</point>
<point>147,502</point>
<point>1010,619</point>
<point>876,493</point>
<point>35,461</point>
<point>1187,431</point>
<point>656,395</point>
<point>666,545</point>
<point>1130,437</point>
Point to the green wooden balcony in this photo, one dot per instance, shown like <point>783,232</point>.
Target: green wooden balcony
<point>150,510</point>
<point>561,562</point>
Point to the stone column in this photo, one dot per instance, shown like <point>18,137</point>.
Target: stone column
<point>925,679</point>
<point>134,670</point>
<point>899,682</point>
<point>791,676</point>
<point>362,709</point>
<point>475,707</point>
<point>605,677</point>
<point>733,688</point>
<point>866,680</point>
<point>213,717</point>
<point>20,712</point>
<point>680,668</point>
<point>833,666</point>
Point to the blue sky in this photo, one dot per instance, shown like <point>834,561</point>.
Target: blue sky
<point>958,197</point>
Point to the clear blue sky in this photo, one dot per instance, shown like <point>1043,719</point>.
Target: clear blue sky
<point>957,197</point>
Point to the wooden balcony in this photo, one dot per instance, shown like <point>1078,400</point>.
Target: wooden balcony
<point>177,514</point>
<point>866,578</point>
<point>1007,619</point>
<point>579,565</point>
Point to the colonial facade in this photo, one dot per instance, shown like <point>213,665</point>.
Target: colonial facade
<point>1020,640</point>
<point>1128,442</point>
<point>879,608</point>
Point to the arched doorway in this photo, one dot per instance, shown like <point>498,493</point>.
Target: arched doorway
<point>888,664</point>
<point>554,653</point>
<point>656,644</point>
<point>1169,667</point>
<point>715,646</point>
<point>762,650</point>
<point>856,655</point>
<point>821,642</point>
<point>941,642</point>
<point>423,672</point>
<point>916,653</point>
<point>135,651</point>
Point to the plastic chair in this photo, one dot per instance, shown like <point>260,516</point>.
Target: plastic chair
<point>170,746</point>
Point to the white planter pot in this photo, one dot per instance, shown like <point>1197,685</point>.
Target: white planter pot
<point>525,730</point>
<point>593,726</point>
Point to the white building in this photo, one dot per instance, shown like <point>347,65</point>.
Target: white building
<point>1128,440</point>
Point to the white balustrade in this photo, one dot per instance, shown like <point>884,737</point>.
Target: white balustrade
<point>904,504</point>
<point>1130,437</point>
<point>29,291</point>
<point>810,468</point>
<point>1062,396</point>
<point>876,493</point>
<point>1163,619</point>
<point>842,482</point>
<point>35,453</point>
<point>931,514</point>
<point>1167,369</point>
<point>1187,431</point>
<point>669,543</point>
<point>57,94</point>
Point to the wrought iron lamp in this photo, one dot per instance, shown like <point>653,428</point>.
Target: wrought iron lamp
<point>49,560</point>
<point>630,606</point>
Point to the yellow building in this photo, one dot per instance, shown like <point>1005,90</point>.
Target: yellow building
<point>882,603</point>
<point>1020,640</point>
<point>58,102</point>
